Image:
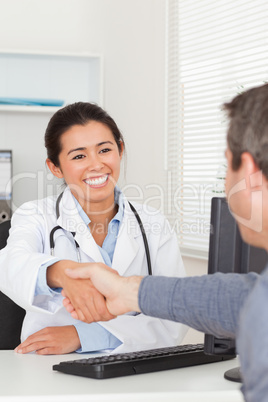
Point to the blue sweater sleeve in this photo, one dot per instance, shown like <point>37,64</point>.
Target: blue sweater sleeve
<point>93,337</point>
<point>209,303</point>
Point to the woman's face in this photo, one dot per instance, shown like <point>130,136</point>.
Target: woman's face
<point>90,165</point>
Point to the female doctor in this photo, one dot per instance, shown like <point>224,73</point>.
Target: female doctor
<point>90,221</point>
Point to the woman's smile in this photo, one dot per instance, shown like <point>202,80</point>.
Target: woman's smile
<point>99,181</point>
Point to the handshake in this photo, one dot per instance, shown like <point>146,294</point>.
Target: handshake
<point>95,292</point>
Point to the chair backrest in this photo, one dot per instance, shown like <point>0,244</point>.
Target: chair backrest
<point>11,315</point>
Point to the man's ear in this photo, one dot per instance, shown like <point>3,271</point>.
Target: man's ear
<point>55,170</point>
<point>251,170</point>
<point>248,162</point>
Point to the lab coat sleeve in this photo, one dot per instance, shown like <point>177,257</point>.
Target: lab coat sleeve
<point>140,332</point>
<point>21,259</point>
<point>41,283</point>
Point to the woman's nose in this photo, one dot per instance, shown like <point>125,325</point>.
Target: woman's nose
<point>95,163</point>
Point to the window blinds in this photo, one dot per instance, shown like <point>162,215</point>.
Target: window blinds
<point>215,50</point>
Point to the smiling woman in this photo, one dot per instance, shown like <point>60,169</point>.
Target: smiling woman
<point>92,220</point>
<point>89,162</point>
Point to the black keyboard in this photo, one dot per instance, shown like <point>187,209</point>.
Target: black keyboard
<point>146,361</point>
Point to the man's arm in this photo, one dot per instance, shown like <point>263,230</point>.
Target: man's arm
<point>209,303</point>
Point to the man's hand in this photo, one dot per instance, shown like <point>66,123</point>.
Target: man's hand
<point>121,293</point>
<point>88,303</point>
<point>51,341</point>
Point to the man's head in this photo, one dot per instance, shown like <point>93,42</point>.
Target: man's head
<point>247,157</point>
<point>248,129</point>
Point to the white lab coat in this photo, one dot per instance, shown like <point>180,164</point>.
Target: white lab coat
<point>29,247</point>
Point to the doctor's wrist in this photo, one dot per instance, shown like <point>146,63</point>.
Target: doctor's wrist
<point>56,273</point>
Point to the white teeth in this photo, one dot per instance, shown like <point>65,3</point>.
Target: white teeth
<point>97,181</point>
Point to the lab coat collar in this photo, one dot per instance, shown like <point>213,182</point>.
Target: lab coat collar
<point>118,199</point>
<point>71,221</point>
<point>69,217</point>
<point>69,209</point>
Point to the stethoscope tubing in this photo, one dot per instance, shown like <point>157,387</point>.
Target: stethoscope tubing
<point>146,246</point>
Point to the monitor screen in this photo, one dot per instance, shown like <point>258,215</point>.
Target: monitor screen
<point>5,184</point>
<point>5,175</point>
<point>228,253</point>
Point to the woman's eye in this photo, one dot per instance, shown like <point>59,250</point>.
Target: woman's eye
<point>79,157</point>
<point>105,150</point>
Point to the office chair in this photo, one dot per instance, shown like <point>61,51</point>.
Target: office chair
<point>11,315</point>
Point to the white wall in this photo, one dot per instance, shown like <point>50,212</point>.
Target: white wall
<point>130,34</point>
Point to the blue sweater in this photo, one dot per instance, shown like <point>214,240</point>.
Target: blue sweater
<point>224,305</point>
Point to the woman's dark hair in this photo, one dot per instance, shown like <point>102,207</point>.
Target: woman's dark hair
<point>79,113</point>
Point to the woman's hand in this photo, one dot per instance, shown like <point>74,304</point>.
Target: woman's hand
<point>121,294</point>
<point>88,303</point>
<point>51,341</point>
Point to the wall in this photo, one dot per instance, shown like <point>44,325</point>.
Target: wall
<point>130,34</point>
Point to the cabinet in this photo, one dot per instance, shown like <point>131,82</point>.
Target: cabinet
<point>69,77</point>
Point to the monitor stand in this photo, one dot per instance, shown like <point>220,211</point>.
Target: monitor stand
<point>233,375</point>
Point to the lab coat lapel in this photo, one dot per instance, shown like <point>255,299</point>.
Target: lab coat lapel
<point>71,221</point>
<point>88,245</point>
<point>127,246</point>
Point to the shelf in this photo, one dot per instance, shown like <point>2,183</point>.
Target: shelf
<point>28,109</point>
<point>70,77</point>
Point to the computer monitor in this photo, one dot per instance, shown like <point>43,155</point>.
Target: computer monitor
<point>5,184</point>
<point>229,253</point>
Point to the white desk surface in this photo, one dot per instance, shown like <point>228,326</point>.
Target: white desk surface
<point>31,378</point>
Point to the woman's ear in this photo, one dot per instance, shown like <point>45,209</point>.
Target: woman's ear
<point>55,170</point>
<point>121,149</point>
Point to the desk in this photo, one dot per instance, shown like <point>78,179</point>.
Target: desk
<point>30,378</point>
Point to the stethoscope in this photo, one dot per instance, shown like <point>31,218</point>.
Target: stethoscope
<point>146,246</point>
